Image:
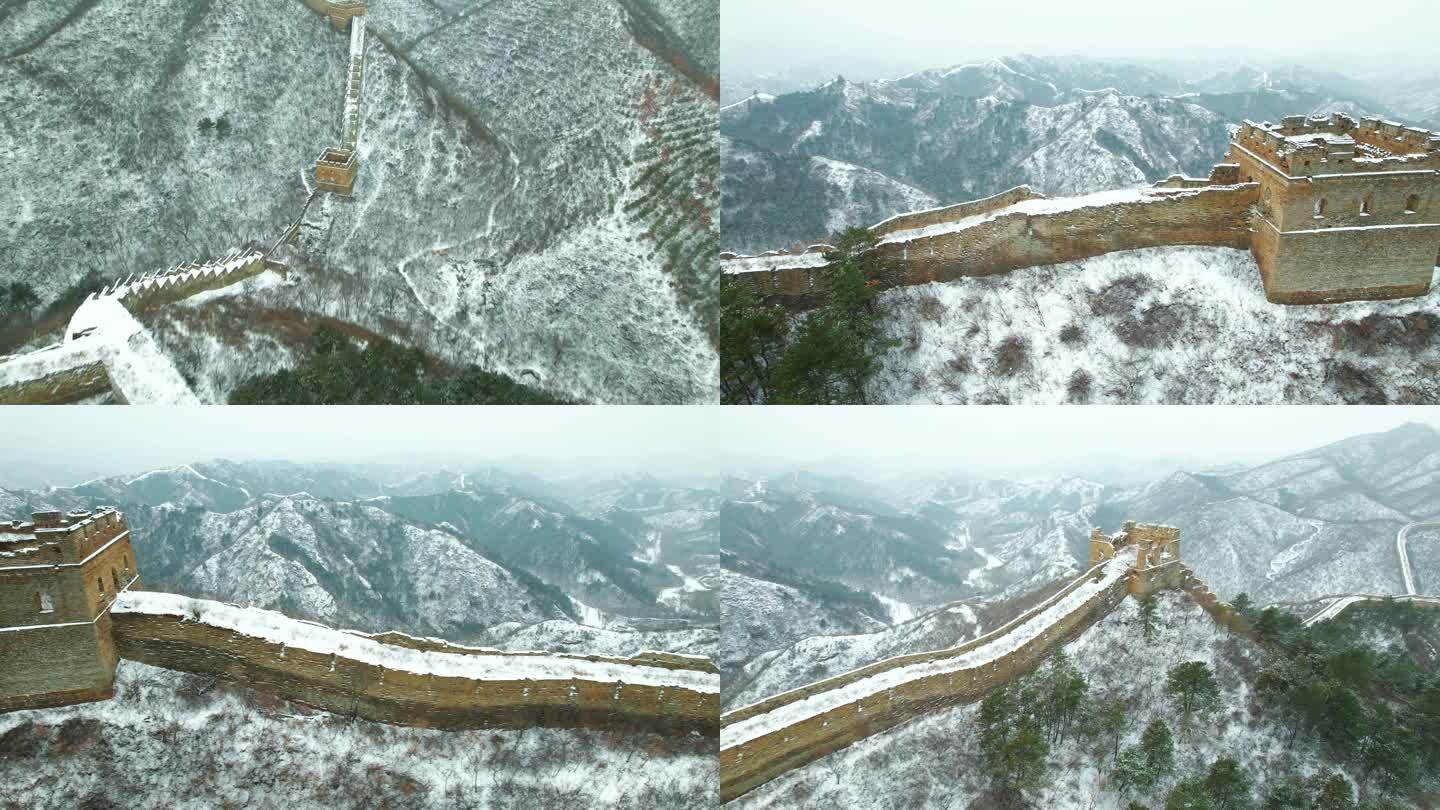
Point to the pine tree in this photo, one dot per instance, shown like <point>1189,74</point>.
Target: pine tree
<point>1148,618</point>
<point>1289,794</point>
<point>1193,689</point>
<point>1242,603</point>
<point>1331,791</point>
<point>1189,794</point>
<point>1130,770</point>
<point>1229,786</point>
<point>1112,722</point>
<point>752,338</point>
<point>1159,748</point>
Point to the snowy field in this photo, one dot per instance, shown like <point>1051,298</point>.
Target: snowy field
<point>933,762</point>
<point>1163,325</point>
<point>169,740</point>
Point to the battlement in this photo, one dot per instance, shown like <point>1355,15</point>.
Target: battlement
<point>1302,147</point>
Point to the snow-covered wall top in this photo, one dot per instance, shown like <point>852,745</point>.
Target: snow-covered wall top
<point>796,706</point>
<point>479,665</point>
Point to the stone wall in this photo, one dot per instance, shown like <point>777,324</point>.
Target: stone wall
<point>56,666</point>
<point>59,387</point>
<point>1215,216</point>
<point>746,766</point>
<point>352,687</point>
<point>951,213</point>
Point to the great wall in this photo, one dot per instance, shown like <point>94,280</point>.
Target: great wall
<point>105,351</point>
<point>71,608</point>
<point>769,738</point>
<point>1333,209</point>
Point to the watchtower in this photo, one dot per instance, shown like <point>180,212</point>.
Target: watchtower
<point>59,574</point>
<point>1157,556</point>
<point>335,171</point>
<point>339,12</point>
<point>1347,208</point>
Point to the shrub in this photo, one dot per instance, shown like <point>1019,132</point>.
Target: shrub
<point>22,741</point>
<point>1078,389</point>
<point>1155,327</point>
<point>1120,296</point>
<point>931,308</point>
<point>1071,334</point>
<point>1355,385</point>
<point>1011,356</point>
<point>960,363</point>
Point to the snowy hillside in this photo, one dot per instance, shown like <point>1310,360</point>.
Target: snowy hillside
<point>175,740</point>
<point>1162,325</point>
<point>535,192</point>
<point>934,761</point>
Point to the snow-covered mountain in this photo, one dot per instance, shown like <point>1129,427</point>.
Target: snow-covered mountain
<point>473,556</point>
<point>535,195</point>
<point>818,577</point>
<point>1062,126</point>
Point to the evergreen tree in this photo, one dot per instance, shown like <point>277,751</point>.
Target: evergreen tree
<point>1189,794</point>
<point>1229,786</point>
<point>1130,770</point>
<point>1063,698</point>
<point>1147,615</point>
<point>752,338</point>
<point>836,349</point>
<point>1289,794</point>
<point>1111,723</point>
<point>1159,748</point>
<point>1242,603</point>
<point>1331,791</point>
<point>1193,689</point>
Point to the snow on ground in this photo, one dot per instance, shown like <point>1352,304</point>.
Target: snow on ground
<point>900,612</point>
<point>933,761</point>
<point>1197,329</point>
<point>278,628</point>
<point>1005,640</point>
<point>167,741</point>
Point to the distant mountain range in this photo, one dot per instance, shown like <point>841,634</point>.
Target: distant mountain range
<point>799,166</point>
<point>952,548</point>
<point>484,556</point>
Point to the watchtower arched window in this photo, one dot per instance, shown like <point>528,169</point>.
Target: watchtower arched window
<point>1367,204</point>
<point>43,602</point>
<point>1320,207</point>
<point>100,583</point>
<point>1412,203</point>
<point>115,579</point>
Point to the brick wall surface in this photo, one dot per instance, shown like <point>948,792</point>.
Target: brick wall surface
<point>346,686</point>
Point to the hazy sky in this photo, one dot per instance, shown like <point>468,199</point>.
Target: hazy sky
<point>94,441</point>
<point>934,33</point>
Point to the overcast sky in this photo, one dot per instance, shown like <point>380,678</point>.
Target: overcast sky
<point>935,33</point>
<point>80,443</point>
